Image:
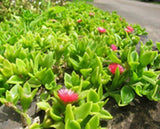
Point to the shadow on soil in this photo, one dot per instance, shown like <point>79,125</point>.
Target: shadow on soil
<point>8,113</point>
<point>140,114</point>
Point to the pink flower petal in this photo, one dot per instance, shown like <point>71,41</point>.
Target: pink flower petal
<point>91,14</point>
<point>120,19</point>
<point>67,96</point>
<point>127,30</point>
<point>80,20</point>
<point>113,47</point>
<point>130,28</point>
<point>101,30</point>
<point>113,67</point>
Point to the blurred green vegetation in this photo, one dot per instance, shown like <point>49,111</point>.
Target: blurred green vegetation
<point>16,7</point>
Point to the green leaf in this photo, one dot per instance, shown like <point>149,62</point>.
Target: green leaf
<point>74,63</point>
<point>2,90</point>
<point>147,89</point>
<point>75,79</point>
<point>92,96</point>
<point>158,45</point>
<point>104,114</point>
<point>133,57</point>
<point>135,77</point>
<point>48,60</point>
<point>86,72</point>
<point>148,79</point>
<point>43,105</point>
<point>35,126</point>
<point>26,96</point>
<point>133,60</point>
<point>48,77</point>
<point>9,96</point>
<point>114,58</point>
<point>127,95</point>
<point>105,78</point>
<point>100,91</point>
<point>13,95</point>
<point>72,124</point>
<point>45,76</point>
<point>34,82</point>
<point>51,86</point>
<point>95,76</point>
<point>115,81</point>
<point>67,80</point>
<point>2,78</point>
<point>95,107</point>
<point>21,66</point>
<point>156,95</point>
<point>84,60</point>
<point>151,74</point>
<point>138,88</point>
<point>58,125</point>
<point>54,116</point>
<point>57,9</point>
<point>93,123</point>
<point>99,63</point>
<point>133,65</point>
<point>85,84</point>
<point>14,79</point>
<point>45,96</point>
<point>7,68</point>
<point>83,111</point>
<point>69,113</point>
<point>148,57</point>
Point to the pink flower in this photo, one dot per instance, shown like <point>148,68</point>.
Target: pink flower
<point>101,30</point>
<point>113,67</point>
<point>120,19</point>
<point>67,96</point>
<point>80,20</point>
<point>130,28</point>
<point>103,20</point>
<point>127,30</point>
<point>113,47</point>
<point>91,14</point>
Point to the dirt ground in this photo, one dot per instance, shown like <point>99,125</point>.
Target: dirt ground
<point>140,114</point>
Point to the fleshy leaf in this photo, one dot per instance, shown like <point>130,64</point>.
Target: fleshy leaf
<point>114,58</point>
<point>92,97</point>
<point>83,111</point>
<point>72,124</point>
<point>15,80</point>
<point>43,105</point>
<point>86,72</point>
<point>93,123</point>
<point>148,57</point>
<point>69,113</point>
<point>127,95</point>
<point>158,45</point>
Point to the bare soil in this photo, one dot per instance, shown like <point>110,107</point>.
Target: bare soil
<point>140,114</point>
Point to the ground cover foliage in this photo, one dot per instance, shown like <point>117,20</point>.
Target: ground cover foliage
<point>71,59</point>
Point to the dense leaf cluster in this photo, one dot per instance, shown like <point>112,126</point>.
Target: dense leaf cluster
<point>41,53</point>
